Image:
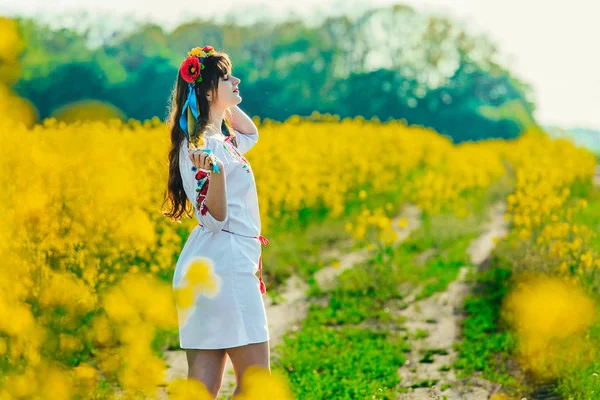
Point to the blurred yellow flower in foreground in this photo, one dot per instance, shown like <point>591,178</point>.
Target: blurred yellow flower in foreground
<point>201,278</point>
<point>550,317</point>
<point>86,375</point>
<point>188,389</point>
<point>184,296</point>
<point>259,384</point>
<point>402,222</point>
<point>201,273</point>
<point>502,396</point>
<point>89,238</point>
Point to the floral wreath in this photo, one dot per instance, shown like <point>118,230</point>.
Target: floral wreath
<point>191,68</point>
<point>191,72</point>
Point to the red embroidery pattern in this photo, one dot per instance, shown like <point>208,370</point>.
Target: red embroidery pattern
<point>228,146</point>
<point>203,178</point>
<point>201,191</point>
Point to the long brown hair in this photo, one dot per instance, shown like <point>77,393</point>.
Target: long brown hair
<point>216,66</point>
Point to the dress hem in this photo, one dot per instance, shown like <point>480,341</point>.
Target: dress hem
<point>222,348</point>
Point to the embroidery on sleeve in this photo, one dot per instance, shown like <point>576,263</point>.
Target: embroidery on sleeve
<point>234,153</point>
<point>202,179</point>
<point>232,139</point>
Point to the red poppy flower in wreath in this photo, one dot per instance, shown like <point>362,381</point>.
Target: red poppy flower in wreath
<point>208,48</point>
<point>190,69</point>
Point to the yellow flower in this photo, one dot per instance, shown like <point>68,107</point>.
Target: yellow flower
<point>502,396</point>
<point>200,275</point>
<point>545,311</point>
<point>188,389</point>
<point>86,371</point>
<point>259,384</point>
<point>197,51</point>
<point>184,296</point>
<point>199,272</point>
<point>402,222</point>
<point>348,227</point>
<point>587,259</point>
<point>563,267</point>
<point>92,255</point>
<point>86,375</point>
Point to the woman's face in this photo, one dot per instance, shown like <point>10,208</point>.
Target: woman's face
<point>228,93</point>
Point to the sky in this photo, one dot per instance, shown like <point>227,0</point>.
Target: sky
<point>547,43</point>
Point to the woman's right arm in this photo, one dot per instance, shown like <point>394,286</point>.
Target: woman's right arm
<point>212,210</point>
<point>216,198</point>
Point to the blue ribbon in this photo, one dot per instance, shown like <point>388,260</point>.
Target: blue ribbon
<point>183,120</point>
<point>191,102</point>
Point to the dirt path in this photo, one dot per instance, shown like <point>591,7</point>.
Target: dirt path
<point>445,310</point>
<point>286,315</point>
<point>326,277</point>
<point>439,315</point>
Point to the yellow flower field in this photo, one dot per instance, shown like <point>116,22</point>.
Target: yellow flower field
<point>87,255</point>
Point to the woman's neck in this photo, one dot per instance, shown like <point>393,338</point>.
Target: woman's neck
<point>216,119</point>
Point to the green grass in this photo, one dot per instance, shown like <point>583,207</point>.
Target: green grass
<point>333,356</point>
<point>583,383</point>
<point>297,249</point>
<point>420,334</point>
<point>425,383</point>
<point>443,268</point>
<point>445,241</point>
<point>429,355</point>
<point>349,345</point>
<point>324,362</point>
<point>590,216</point>
<point>485,346</point>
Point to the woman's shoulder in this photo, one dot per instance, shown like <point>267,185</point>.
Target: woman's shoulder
<point>222,149</point>
<point>209,143</point>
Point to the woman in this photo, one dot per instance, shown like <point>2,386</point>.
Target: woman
<point>219,183</point>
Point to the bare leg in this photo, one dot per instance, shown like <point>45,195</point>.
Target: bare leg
<point>207,366</point>
<point>242,357</point>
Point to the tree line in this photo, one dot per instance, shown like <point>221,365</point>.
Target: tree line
<point>389,63</point>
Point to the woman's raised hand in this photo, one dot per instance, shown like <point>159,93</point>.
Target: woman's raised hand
<point>203,160</point>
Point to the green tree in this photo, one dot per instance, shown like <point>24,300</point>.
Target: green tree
<point>390,62</point>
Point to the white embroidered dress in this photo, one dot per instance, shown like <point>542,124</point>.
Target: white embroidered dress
<point>236,315</point>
